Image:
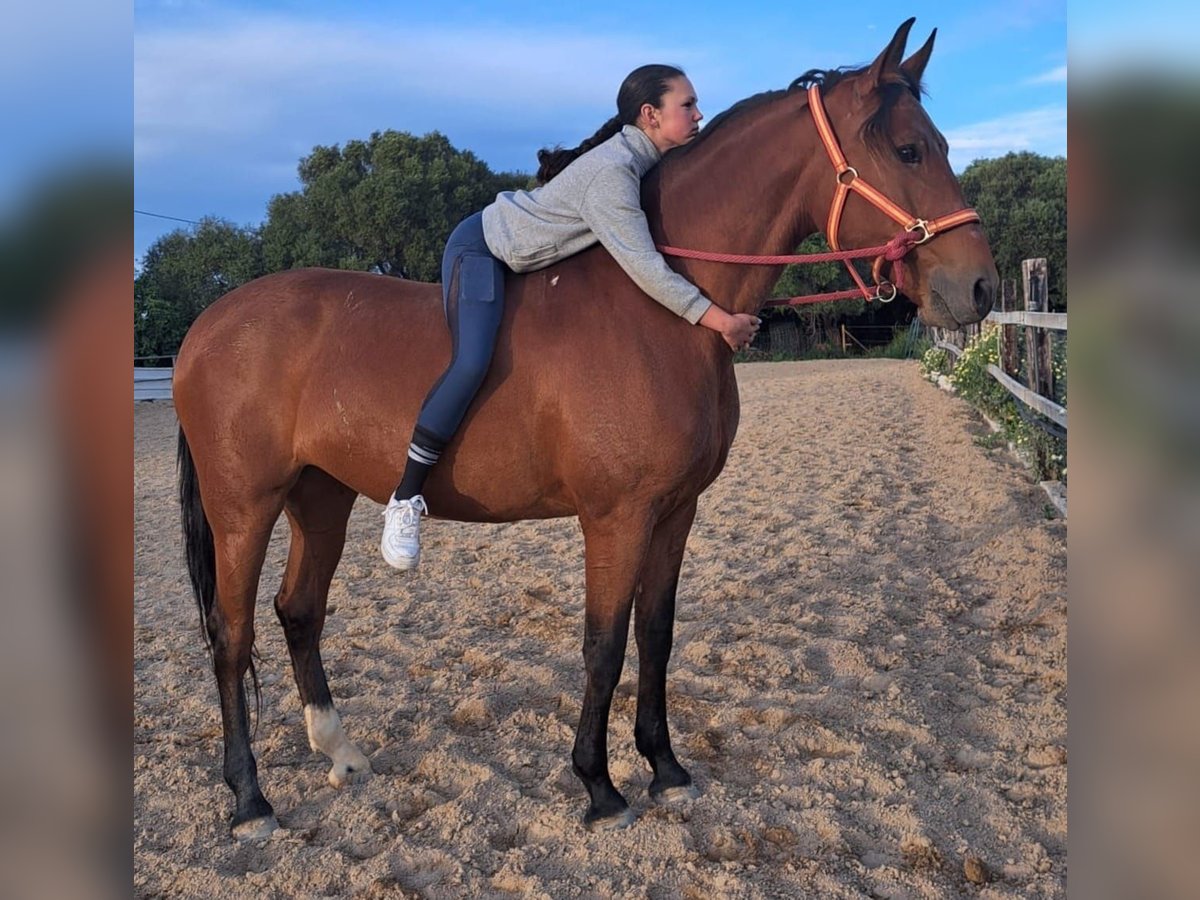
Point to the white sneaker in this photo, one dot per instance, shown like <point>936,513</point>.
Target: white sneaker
<point>401,543</point>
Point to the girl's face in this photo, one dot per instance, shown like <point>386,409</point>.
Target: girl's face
<point>677,120</point>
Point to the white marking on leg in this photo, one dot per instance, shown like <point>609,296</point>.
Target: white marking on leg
<point>325,734</point>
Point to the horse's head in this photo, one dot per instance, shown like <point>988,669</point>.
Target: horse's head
<point>891,142</point>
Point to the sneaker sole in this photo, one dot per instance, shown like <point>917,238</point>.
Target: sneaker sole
<point>403,563</point>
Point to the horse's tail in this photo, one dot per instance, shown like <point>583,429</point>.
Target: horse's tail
<point>202,557</point>
<point>197,541</point>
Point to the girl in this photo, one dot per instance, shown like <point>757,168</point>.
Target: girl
<point>586,195</point>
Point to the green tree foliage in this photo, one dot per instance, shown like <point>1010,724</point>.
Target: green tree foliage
<point>1022,201</point>
<point>818,322</point>
<point>182,273</point>
<point>386,204</point>
<point>817,278</point>
<point>157,324</point>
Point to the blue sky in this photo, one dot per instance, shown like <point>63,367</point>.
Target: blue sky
<point>64,89</point>
<point>228,97</point>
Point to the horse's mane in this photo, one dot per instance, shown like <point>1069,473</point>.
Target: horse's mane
<point>874,130</point>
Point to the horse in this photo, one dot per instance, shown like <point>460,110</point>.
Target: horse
<point>599,404</point>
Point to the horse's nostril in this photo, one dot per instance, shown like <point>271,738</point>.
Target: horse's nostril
<point>985,293</point>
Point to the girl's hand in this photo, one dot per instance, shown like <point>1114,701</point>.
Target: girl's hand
<point>737,329</point>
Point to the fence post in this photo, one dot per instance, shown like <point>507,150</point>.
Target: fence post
<point>1010,353</point>
<point>1037,348</point>
<point>1037,344</point>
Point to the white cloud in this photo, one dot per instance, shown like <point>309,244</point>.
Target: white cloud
<point>291,82</point>
<point>1038,130</point>
<point>1054,76</point>
<point>40,38</point>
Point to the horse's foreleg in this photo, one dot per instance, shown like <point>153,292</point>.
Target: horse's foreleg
<point>239,559</point>
<point>318,508</point>
<point>654,623</point>
<point>615,550</point>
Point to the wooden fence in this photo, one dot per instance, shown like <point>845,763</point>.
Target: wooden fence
<point>1026,324</point>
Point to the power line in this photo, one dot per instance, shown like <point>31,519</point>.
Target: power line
<point>161,216</point>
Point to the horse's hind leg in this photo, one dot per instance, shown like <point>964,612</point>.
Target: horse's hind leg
<point>318,508</point>
<point>654,619</point>
<point>239,547</point>
<point>615,550</point>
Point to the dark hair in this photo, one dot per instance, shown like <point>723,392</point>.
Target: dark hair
<point>645,84</point>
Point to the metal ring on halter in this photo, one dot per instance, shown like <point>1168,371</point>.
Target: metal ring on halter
<point>924,226</point>
<point>879,292</point>
<point>853,173</point>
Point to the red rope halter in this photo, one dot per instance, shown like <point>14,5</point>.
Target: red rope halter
<point>916,230</point>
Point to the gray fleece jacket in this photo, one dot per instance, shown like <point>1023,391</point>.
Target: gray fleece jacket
<point>596,198</point>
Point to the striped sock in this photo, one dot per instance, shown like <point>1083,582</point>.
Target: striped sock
<point>423,455</point>
<point>421,458</point>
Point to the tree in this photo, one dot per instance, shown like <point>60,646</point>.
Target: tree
<point>182,273</point>
<point>387,205</point>
<point>158,326</point>
<point>817,321</point>
<point>1021,199</point>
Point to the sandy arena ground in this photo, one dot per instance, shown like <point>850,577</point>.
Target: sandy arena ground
<point>868,683</point>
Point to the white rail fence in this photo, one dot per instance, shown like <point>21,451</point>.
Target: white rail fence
<point>150,383</point>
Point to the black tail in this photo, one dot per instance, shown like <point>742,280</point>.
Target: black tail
<point>201,557</point>
<point>197,541</point>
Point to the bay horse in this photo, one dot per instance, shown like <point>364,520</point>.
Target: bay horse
<point>599,404</point>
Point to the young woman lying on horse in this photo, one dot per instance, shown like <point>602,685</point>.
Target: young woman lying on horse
<point>588,195</point>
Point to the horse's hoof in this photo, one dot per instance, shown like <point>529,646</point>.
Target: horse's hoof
<point>255,829</point>
<point>616,821</point>
<point>672,795</point>
<point>342,774</point>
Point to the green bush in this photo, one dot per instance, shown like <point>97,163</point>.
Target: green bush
<point>1045,453</point>
<point>935,362</point>
<point>971,379</point>
<point>905,344</point>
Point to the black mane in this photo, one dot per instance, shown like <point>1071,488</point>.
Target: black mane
<point>875,129</point>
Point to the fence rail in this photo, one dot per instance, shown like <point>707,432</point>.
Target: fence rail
<point>1029,329</point>
<point>956,350</point>
<point>1030,398</point>
<point>151,383</point>
<point>1038,390</point>
<point>1054,321</point>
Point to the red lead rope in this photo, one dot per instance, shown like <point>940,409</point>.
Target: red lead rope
<point>894,249</point>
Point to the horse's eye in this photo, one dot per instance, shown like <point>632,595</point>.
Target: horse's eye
<point>909,153</point>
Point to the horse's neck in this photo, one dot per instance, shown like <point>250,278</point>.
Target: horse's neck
<point>742,191</point>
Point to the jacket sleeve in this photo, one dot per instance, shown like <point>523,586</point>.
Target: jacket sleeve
<point>611,207</point>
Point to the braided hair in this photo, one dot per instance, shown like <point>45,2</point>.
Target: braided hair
<point>645,84</point>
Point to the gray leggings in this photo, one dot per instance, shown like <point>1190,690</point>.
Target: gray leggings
<point>473,298</point>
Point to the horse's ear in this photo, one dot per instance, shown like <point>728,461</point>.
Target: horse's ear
<point>889,59</point>
<point>914,66</point>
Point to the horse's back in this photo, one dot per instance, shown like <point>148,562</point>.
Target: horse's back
<point>290,320</point>
<point>329,368</point>
<point>296,303</point>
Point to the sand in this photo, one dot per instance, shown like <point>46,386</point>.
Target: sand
<point>868,683</point>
